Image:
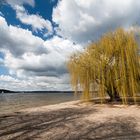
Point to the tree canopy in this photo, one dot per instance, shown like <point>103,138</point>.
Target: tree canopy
<point>111,66</point>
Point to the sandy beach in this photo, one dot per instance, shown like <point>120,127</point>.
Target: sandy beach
<point>72,121</point>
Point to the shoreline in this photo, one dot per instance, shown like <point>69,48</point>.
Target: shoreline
<point>73,120</point>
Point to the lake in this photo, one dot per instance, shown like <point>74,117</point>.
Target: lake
<point>13,102</point>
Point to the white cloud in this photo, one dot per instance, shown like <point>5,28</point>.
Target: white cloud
<point>37,22</point>
<point>52,62</point>
<point>36,83</point>
<point>33,62</point>
<point>37,64</point>
<point>18,40</point>
<point>83,21</point>
<point>13,3</point>
<point>12,83</point>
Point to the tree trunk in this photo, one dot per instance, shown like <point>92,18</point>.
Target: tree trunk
<point>114,96</point>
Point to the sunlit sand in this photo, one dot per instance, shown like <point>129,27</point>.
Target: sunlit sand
<point>73,120</point>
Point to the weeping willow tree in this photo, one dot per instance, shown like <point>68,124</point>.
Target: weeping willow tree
<point>110,66</point>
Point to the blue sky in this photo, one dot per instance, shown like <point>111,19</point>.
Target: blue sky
<point>37,37</point>
<point>43,8</point>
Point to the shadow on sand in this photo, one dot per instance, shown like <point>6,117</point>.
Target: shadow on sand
<point>66,124</point>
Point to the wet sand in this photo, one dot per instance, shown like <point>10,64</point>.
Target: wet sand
<point>72,121</point>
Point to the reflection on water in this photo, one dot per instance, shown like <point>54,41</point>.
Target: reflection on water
<point>15,101</point>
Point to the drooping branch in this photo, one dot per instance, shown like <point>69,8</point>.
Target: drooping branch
<point>112,64</point>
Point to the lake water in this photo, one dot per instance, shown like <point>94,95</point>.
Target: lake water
<point>13,102</point>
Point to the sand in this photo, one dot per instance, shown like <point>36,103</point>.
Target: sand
<point>73,121</point>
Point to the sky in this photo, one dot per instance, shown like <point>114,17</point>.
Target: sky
<point>37,37</point>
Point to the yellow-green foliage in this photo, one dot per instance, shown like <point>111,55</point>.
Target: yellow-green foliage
<point>110,65</point>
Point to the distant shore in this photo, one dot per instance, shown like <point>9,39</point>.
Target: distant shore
<point>36,91</point>
<point>73,121</point>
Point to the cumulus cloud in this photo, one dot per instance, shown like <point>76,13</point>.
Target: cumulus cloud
<point>83,21</point>
<point>37,64</point>
<point>36,83</point>
<point>9,82</point>
<point>13,3</point>
<point>18,40</point>
<point>37,22</point>
<point>51,63</point>
<point>33,62</point>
